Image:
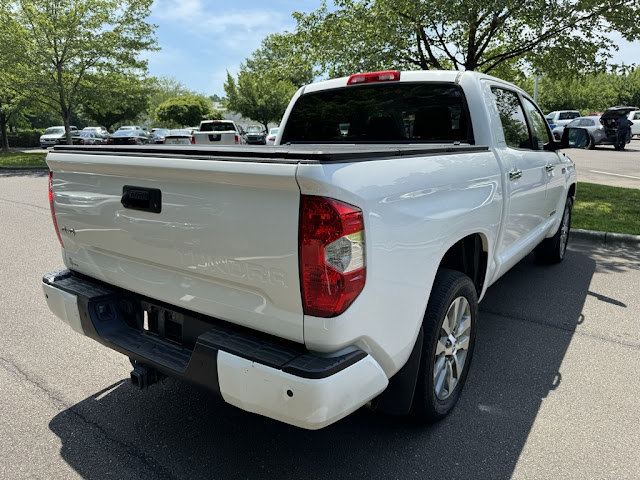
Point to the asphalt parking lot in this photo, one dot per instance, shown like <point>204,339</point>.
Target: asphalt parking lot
<point>552,393</point>
<point>606,166</point>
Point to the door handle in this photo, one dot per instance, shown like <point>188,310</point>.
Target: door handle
<point>515,174</point>
<point>549,167</point>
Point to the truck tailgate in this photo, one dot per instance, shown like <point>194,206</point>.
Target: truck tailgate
<point>223,240</point>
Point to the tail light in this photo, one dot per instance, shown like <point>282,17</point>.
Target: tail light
<point>388,76</point>
<point>332,255</point>
<point>53,213</point>
<point>237,139</point>
<point>193,140</point>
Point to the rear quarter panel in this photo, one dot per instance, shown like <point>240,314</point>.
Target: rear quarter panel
<point>415,209</point>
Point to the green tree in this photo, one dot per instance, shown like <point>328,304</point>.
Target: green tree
<point>555,36</point>
<point>114,98</point>
<point>10,102</point>
<point>186,110</point>
<point>280,56</point>
<point>260,96</point>
<point>162,89</point>
<point>59,43</point>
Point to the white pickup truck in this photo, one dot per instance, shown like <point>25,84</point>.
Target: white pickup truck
<point>218,132</point>
<point>339,268</point>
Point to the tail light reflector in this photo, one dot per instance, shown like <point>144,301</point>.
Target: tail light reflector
<point>53,213</point>
<point>237,139</point>
<point>193,140</point>
<point>332,255</point>
<point>388,76</point>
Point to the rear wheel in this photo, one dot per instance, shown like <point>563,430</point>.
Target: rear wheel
<point>552,250</point>
<point>450,326</point>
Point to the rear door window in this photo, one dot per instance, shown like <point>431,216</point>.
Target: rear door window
<point>514,123</point>
<point>381,113</point>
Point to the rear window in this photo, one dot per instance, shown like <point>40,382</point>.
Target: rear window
<point>568,115</point>
<point>389,113</point>
<point>217,127</point>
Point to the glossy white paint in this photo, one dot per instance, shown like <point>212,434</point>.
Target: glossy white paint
<point>415,209</point>
<point>303,402</point>
<point>225,243</point>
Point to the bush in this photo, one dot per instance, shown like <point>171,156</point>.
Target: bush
<point>24,138</point>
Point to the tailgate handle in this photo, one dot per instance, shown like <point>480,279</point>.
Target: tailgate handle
<point>141,198</point>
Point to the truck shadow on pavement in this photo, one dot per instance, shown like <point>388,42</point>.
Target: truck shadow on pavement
<point>175,430</point>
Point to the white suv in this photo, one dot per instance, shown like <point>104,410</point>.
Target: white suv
<point>562,117</point>
<point>635,118</point>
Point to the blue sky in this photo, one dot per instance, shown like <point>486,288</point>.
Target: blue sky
<point>201,39</point>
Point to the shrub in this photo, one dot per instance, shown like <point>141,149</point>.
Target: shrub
<point>24,138</point>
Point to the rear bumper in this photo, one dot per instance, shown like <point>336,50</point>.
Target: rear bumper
<point>258,374</point>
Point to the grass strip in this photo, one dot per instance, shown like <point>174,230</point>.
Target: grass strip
<point>20,159</point>
<point>607,209</point>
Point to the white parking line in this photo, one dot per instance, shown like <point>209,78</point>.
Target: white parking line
<point>615,174</point>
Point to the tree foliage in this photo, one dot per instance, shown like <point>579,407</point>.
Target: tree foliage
<point>10,102</point>
<point>281,57</point>
<point>114,98</point>
<point>588,93</point>
<point>497,36</point>
<point>185,110</point>
<point>55,45</point>
<point>260,96</point>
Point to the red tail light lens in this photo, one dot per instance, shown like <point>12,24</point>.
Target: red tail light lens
<point>53,213</point>
<point>237,139</point>
<point>193,140</point>
<point>332,255</point>
<point>388,76</point>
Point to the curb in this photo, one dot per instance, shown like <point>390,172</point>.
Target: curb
<point>23,169</point>
<point>607,238</point>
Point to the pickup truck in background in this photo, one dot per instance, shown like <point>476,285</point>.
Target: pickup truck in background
<point>219,132</point>
<point>339,268</point>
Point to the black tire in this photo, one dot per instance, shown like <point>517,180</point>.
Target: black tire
<point>552,250</point>
<point>448,287</point>
<point>592,143</point>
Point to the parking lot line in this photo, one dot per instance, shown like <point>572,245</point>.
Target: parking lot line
<point>615,174</point>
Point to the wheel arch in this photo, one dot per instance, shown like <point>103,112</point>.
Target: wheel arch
<point>469,255</point>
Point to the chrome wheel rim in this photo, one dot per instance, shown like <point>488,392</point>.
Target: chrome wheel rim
<point>564,231</point>
<point>452,348</point>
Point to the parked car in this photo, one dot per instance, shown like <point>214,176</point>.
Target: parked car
<point>103,132</point>
<point>611,118</point>
<point>635,118</point>
<point>602,129</point>
<point>219,132</point>
<point>158,134</point>
<point>562,117</point>
<point>256,135</point>
<point>130,127</point>
<point>51,135</point>
<point>129,136</point>
<point>84,137</point>
<point>273,133</point>
<point>178,137</point>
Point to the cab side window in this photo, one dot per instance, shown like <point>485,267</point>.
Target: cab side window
<point>514,123</point>
<point>538,124</point>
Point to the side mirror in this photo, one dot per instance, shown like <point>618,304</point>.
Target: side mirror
<point>573,137</point>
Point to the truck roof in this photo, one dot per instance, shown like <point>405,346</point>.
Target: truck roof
<point>445,76</point>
